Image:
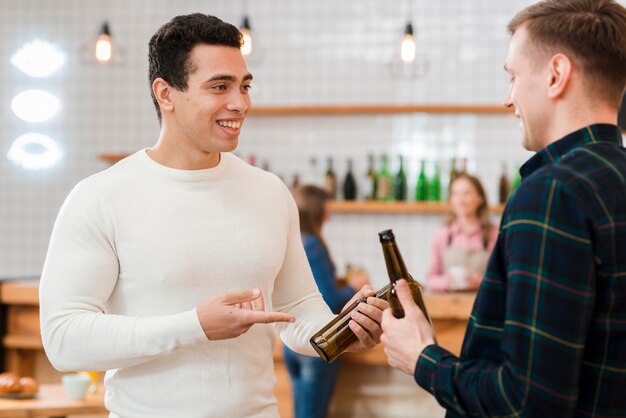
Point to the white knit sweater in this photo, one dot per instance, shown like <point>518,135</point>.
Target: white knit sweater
<point>136,247</point>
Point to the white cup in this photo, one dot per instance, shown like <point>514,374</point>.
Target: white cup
<point>76,385</point>
<point>459,277</point>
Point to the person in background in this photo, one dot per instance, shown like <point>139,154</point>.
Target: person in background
<point>547,335</point>
<point>312,379</point>
<point>461,248</point>
<point>176,269</point>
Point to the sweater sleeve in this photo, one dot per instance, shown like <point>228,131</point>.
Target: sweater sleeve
<point>324,274</point>
<point>295,291</point>
<point>80,272</point>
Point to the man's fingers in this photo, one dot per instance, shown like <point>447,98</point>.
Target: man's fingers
<point>257,317</point>
<point>248,295</point>
<point>405,297</point>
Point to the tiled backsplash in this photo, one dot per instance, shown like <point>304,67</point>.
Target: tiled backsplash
<point>322,52</point>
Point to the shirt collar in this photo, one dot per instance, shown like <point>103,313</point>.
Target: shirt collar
<point>556,150</point>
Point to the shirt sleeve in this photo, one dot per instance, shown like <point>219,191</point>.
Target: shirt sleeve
<point>324,274</point>
<point>79,274</point>
<point>524,346</point>
<point>295,291</point>
<point>436,280</point>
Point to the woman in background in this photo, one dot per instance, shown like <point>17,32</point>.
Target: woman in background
<point>312,379</point>
<point>462,247</point>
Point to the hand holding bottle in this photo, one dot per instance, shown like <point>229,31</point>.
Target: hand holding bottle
<point>366,319</point>
<point>405,338</point>
<point>228,315</point>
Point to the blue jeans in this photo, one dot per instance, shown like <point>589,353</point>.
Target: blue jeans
<point>312,382</point>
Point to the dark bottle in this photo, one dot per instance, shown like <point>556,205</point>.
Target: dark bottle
<point>371,179</point>
<point>503,186</point>
<point>396,269</point>
<point>349,184</point>
<point>383,190</point>
<point>336,336</point>
<point>399,183</point>
<point>421,188</point>
<point>331,180</point>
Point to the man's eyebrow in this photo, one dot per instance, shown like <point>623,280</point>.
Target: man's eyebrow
<point>227,77</point>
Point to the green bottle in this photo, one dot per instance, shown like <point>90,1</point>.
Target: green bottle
<point>399,183</point>
<point>517,179</point>
<point>421,189</point>
<point>434,186</point>
<point>383,191</point>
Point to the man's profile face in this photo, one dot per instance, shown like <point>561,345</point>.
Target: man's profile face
<point>527,93</point>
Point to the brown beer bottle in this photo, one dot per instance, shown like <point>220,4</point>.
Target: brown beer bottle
<point>336,336</point>
<point>396,269</point>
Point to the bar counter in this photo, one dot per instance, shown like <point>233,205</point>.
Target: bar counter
<point>23,350</point>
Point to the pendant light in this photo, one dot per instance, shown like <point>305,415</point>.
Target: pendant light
<point>251,48</point>
<point>246,48</point>
<point>407,60</point>
<point>104,48</point>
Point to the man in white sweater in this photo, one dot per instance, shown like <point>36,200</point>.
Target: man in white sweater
<point>175,269</point>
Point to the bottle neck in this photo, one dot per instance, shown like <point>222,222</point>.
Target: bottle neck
<point>395,264</point>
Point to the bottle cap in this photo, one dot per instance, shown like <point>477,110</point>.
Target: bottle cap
<point>386,236</point>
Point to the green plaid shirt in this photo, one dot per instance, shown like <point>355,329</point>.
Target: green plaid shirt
<point>547,334</point>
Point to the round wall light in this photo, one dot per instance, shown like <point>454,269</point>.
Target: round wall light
<point>34,151</point>
<point>38,58</point>
<point>35,105</point>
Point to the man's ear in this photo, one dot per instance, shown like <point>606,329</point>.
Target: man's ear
<point>163,93</point>
<point>560,74</point>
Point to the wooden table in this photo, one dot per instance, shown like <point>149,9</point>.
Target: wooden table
<point>52,402</point>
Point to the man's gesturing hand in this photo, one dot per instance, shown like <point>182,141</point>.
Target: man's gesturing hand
<point>405,338</point>
<point>228,315</point>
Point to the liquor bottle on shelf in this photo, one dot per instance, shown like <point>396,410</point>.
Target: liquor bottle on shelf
<point>349,184</point>
<point>503,186</point>
<point>371,180</point>
<point>399,183</point>
<point>331,180</point>
<point>434,186</point>
<point>517,179</point>
<point>313,175</point>
<point>333,339</point>
<point>383,190</point>
<point>295,182</point>
<point>453,173</point>
<point>421,188</point>
<point>396,270</point>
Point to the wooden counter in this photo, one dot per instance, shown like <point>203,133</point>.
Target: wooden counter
<point>449,312</point>
<point>52,401</point>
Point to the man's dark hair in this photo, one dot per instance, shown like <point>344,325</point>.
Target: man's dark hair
<point>171,45</point>
<point>592,32</point>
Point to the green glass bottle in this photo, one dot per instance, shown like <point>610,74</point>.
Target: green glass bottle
<point>399,183</point>
<point>421,188</point>
<point>384,180</point>
<point>517,180</point>
<point>434,186</point>
<point>371,179</point>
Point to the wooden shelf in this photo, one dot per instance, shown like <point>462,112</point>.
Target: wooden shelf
<point>24,342</point>
<point>396,207</point>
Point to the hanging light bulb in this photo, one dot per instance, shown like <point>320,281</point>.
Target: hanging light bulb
<point>407,47</point>
<point>246,48</point>
<point>104,49</point>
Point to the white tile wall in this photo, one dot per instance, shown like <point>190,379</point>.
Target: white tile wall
<point>324,51</point>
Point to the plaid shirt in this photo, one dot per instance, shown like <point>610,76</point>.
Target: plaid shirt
<point>547,334</point>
